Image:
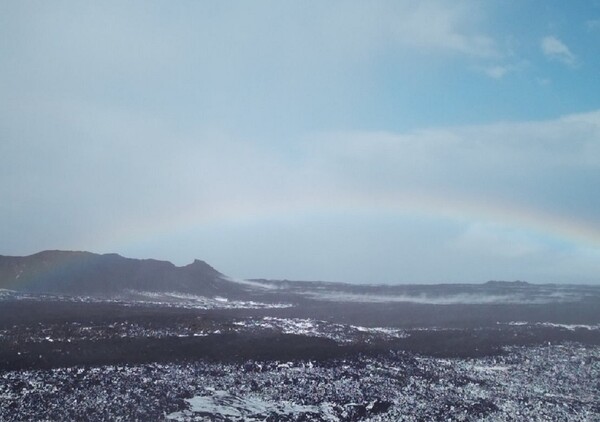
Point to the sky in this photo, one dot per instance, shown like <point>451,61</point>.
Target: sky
<point>363,142</point>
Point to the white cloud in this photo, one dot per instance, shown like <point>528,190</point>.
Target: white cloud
<point>555,49</point>
<point>499,71</point>
<point>496,72</point>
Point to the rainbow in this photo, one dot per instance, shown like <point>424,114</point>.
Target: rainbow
<point>542,223</point>
<point>545,225</point>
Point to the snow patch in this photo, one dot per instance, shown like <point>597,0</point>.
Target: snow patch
<point>198,302</point>
<point>342,333</point>
<point>570,327</point>
<point>222,404</point>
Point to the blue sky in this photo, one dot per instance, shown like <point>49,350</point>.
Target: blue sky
<point>393,142</point>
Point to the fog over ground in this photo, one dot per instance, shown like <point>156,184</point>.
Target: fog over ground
<point>389,142</point>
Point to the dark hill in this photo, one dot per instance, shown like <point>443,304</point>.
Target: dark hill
<point>85,273</point>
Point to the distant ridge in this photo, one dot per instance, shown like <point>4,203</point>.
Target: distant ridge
<point>515,283</point>
<point>86,273</point>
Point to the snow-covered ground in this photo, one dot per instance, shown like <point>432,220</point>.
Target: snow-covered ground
<point>546,383</point>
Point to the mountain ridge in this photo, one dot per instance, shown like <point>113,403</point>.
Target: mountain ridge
<point>82,272</point>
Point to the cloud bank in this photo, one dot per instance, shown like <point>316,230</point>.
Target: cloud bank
<point>518,194</point>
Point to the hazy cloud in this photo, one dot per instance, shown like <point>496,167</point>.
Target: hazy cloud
<point>499,71</point>
<point>593,24</point>
<point>499,241</point>
<point>544,81</point>
<point>123,179</point>
<point>442,26</point>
